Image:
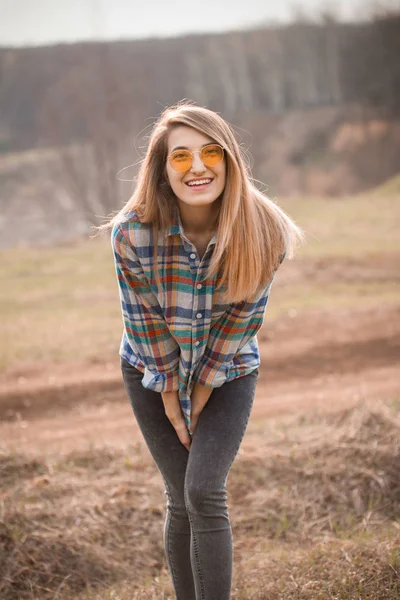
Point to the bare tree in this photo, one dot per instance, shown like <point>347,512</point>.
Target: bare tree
<point>196,86</point>
<point>241,69</point>
<point>92,102</point>
<point>218,51</point>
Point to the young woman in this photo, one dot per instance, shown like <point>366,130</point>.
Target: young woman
<point>196,249</point>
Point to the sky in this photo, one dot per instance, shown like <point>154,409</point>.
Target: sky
<point>42,22</point>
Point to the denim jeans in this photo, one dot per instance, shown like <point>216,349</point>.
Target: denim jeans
<point>197,532</point>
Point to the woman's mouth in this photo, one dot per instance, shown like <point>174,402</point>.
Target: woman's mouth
<point>199,184</point>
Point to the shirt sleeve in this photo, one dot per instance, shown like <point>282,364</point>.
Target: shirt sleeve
<point>233,330</point>
<point>145,327</point>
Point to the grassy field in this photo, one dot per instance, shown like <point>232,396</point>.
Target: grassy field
<point>60,303</point>
<point>314,493</point>
<point>316,517</point>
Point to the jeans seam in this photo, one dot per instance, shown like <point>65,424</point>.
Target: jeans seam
<point>169,528</point>
<point>196,550</point>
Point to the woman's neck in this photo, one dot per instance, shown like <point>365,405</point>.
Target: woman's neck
<point>199,220</point>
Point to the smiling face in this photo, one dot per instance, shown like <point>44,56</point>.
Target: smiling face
<point>183,184</point>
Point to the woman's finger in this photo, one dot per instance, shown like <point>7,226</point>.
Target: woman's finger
<point>174,413</point>
<point>183,434</point>
<point>193,424</point>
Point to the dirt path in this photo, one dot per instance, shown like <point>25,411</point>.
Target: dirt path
<point>321,361</point>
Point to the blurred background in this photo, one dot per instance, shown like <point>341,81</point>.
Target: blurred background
<point>312,90</point>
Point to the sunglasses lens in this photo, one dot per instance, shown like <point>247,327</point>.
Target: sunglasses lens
<point>181,160</point>
<point>212,155</point>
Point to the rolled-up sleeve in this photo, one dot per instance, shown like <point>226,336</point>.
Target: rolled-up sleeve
<point>233,330</point>
<point>144,324</point>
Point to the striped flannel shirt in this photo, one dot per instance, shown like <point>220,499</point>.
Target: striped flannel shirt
<point>187,334</point>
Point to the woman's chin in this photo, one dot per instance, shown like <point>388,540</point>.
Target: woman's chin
<point>199,201</point>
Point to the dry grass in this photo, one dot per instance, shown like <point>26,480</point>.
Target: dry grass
<point>391,187</point>
<point>357,569</point>
<point>316,516</point>
<point>334,483</point>
<point>77,521</point>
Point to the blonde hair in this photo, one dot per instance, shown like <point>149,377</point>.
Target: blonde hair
<point>253,232</point>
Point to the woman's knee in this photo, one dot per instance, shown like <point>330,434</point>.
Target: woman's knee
<point>202,499</point>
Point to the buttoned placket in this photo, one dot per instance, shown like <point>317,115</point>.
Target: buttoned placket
<point>197,268</point>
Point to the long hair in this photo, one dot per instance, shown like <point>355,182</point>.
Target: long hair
<point>253,232</point>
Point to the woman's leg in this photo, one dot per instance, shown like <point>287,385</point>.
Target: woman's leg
<point>215,443</point>
<point>171,458</point>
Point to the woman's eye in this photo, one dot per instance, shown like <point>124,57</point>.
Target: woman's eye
<point>210,151</point>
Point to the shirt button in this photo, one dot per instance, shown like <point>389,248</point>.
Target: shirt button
<point>198,316</point>
<point>193,255</point>
<point>199,286</point>
<point>197,343</point>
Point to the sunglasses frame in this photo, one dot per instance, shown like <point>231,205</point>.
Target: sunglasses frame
<point>196,152</point>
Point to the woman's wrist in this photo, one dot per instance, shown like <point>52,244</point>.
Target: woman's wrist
<point>199,398</point>
<point>170,395</point>
<point>171,403</point>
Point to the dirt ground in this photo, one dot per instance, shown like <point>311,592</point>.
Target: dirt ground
<point>78,485</point>
<point>319,361</point>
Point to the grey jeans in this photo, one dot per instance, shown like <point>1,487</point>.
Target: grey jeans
<point>197,532</point>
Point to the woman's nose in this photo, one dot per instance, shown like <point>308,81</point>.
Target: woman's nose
<point>197,164</point>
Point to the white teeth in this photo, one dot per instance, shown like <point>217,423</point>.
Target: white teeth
<point>200,182</point>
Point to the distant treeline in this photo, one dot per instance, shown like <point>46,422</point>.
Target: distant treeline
<point>58,88</point>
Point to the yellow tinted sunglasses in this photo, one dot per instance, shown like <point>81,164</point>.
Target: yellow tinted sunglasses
<point>210,155</point>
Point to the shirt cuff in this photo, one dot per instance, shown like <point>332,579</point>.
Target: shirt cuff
<point>210,373</point>
<point>160,382</point>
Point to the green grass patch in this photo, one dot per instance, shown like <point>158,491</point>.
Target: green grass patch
<point>347,226</point>
<point>303,296</point>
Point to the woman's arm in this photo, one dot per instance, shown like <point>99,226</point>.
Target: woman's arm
<point>233,330</point>
<point>174,413</point>
<point>230,333</point>
<point>145,327</point>
<point>148,333</point>
<point>199,398</point>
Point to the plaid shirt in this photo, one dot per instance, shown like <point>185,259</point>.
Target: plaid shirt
<point>187,335</point>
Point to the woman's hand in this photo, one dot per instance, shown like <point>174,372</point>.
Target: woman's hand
<point>174,413</point>
<point>199,399</point>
